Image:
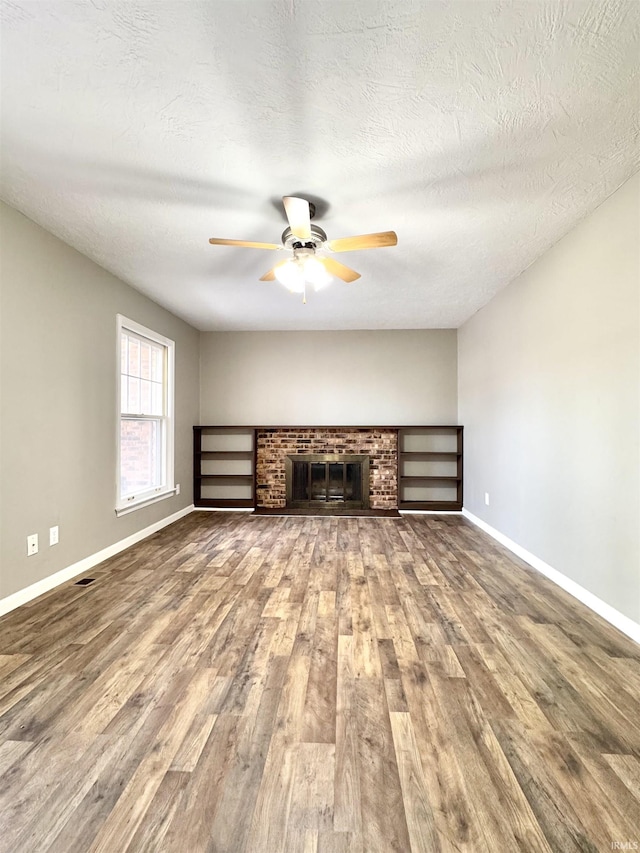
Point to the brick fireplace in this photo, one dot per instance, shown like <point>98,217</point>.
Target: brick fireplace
<point>274,445</point>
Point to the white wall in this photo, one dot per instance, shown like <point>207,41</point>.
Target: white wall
<point>549,378</point>
<point>58,386</point>
<point>329,378</point>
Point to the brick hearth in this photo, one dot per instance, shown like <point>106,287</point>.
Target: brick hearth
<point>274,445</point>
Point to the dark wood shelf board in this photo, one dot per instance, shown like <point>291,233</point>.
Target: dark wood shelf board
<point>405,428</point>
<point>224,429</point>
<point>225,454</point>
<point>451,506</point>
<point>428,454</point>
<point>246,477</point>
<point>375,513</point>
<point>225,503</point>
<point>414,479</point>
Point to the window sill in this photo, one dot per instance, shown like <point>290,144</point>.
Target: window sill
<point>132,506</point>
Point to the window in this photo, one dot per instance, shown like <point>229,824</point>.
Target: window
<point>145,423</point>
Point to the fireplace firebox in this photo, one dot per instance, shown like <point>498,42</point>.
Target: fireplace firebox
<point>327,480</point>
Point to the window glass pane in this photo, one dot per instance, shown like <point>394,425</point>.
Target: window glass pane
<point>156,399</point>
<point>123,353</point>
<point>140,456</point>
<point>146,449</point>
<point>145,397</point>
<point>134,357</point>
<point>133,404</point>
<point>157,362</point>
<point>145,360</point>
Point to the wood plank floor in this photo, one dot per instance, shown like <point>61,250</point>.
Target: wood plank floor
<point>316,685</point>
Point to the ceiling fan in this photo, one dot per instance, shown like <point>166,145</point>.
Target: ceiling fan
<point>303,239</point>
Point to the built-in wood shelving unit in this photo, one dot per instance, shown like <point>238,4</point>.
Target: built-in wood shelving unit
<point>430,468</point>
<point>224,467</point>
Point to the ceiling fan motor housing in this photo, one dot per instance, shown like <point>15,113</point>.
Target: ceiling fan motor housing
<point>290,241</point>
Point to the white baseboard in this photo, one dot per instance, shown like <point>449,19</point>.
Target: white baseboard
<point>614,617</point>
<point>82,566</point>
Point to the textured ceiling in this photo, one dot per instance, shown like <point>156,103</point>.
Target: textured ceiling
<point>480,131</point>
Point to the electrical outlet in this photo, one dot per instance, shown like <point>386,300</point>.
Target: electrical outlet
<point>177,488</point>
<point>486,498</point>
<point>54,535</point>
<point>32,544</point>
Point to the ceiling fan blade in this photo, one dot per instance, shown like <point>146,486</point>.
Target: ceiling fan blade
<point>338,269</point>
<point>364,241</point>
<point>299,216</point>
<point>268,276</point>
<point>219,241</point>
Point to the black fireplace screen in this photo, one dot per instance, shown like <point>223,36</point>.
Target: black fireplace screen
<point>329,480</point>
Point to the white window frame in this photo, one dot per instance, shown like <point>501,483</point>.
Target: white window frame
<point>167,488</point>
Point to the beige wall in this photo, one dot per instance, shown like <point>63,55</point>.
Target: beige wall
<point>329,378</point>
<point>549,378</point>
<point>58,386</point>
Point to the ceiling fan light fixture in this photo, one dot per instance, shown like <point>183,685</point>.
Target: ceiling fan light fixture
<point>291,274</point>
<point>316,274</point>
<point>302,269</point>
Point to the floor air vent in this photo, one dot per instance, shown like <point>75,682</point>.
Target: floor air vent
<point>85,582</point>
